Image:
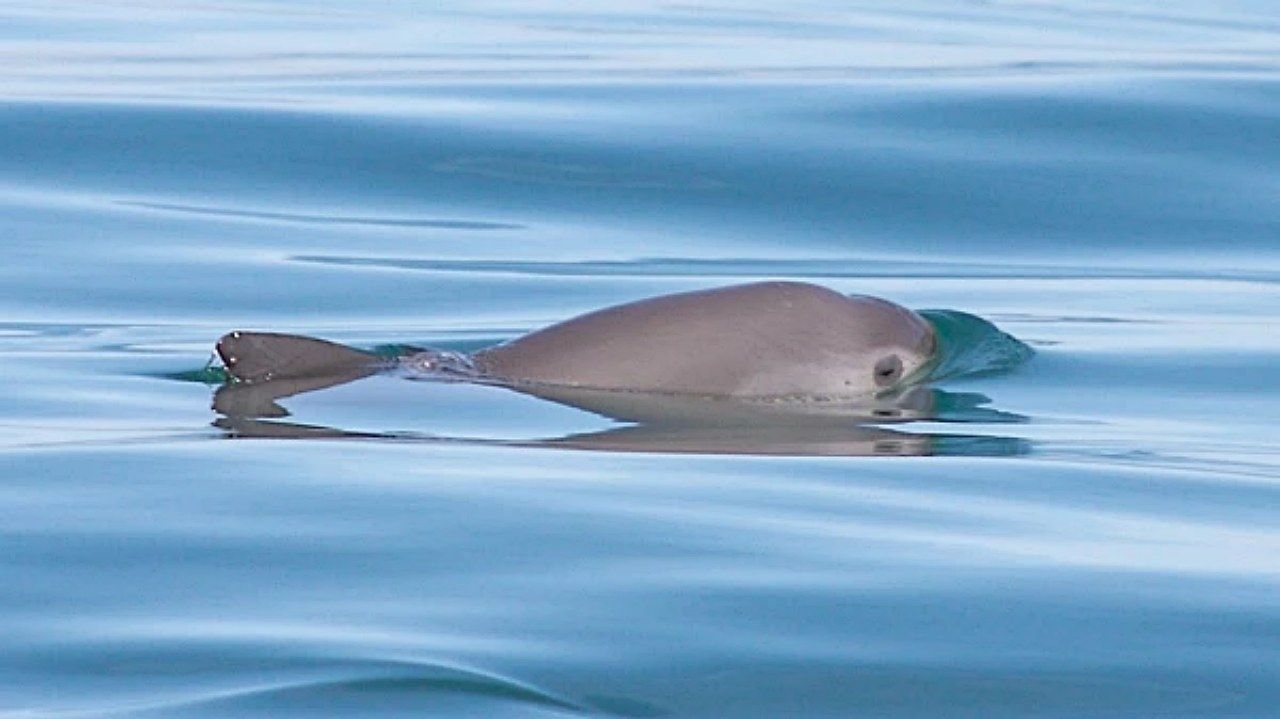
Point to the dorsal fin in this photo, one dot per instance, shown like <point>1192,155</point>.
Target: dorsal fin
<point>261,356</point>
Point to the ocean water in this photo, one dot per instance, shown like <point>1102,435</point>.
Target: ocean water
<point>1093,533</point>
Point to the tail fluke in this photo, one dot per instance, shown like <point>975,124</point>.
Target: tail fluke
<point>263,356</point>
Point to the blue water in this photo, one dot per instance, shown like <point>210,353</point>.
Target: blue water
<point>1093,534</point>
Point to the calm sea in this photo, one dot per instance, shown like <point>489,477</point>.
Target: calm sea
<point>1094,534</point>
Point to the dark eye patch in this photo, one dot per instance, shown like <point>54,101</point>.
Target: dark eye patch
<point>888,370</point>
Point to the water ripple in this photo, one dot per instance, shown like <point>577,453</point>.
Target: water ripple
<point>815,268</point>
<point>426,689</point>
<point>243,214</point>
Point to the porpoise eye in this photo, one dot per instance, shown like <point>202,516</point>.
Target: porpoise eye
<point>888,370</point>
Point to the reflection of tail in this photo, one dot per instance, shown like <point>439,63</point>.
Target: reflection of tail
<point>261,356</point>
<point>258,399</point>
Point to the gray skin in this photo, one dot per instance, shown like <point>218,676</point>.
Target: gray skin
<point>766,339</point>
<point>762,349</point>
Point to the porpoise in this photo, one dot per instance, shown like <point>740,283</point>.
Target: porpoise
<point>759,341</point>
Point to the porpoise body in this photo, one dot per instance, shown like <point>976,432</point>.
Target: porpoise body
<point>766,339</point>
<point>754,341</point>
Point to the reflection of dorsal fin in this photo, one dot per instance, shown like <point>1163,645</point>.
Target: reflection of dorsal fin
<point>261,356</point>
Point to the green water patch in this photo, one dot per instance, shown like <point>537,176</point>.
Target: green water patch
<point>959,445</point>
<point>969,407</point>
<point>213,373</point>
<point>969,345</point>
<point>394,351</point>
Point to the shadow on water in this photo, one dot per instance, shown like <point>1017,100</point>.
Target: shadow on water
<point>690,424</point>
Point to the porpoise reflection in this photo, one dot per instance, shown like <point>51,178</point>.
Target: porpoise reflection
<point>809,441</point>
<point>762,368</point>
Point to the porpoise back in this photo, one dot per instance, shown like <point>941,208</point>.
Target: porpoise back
<point>767,339</point>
